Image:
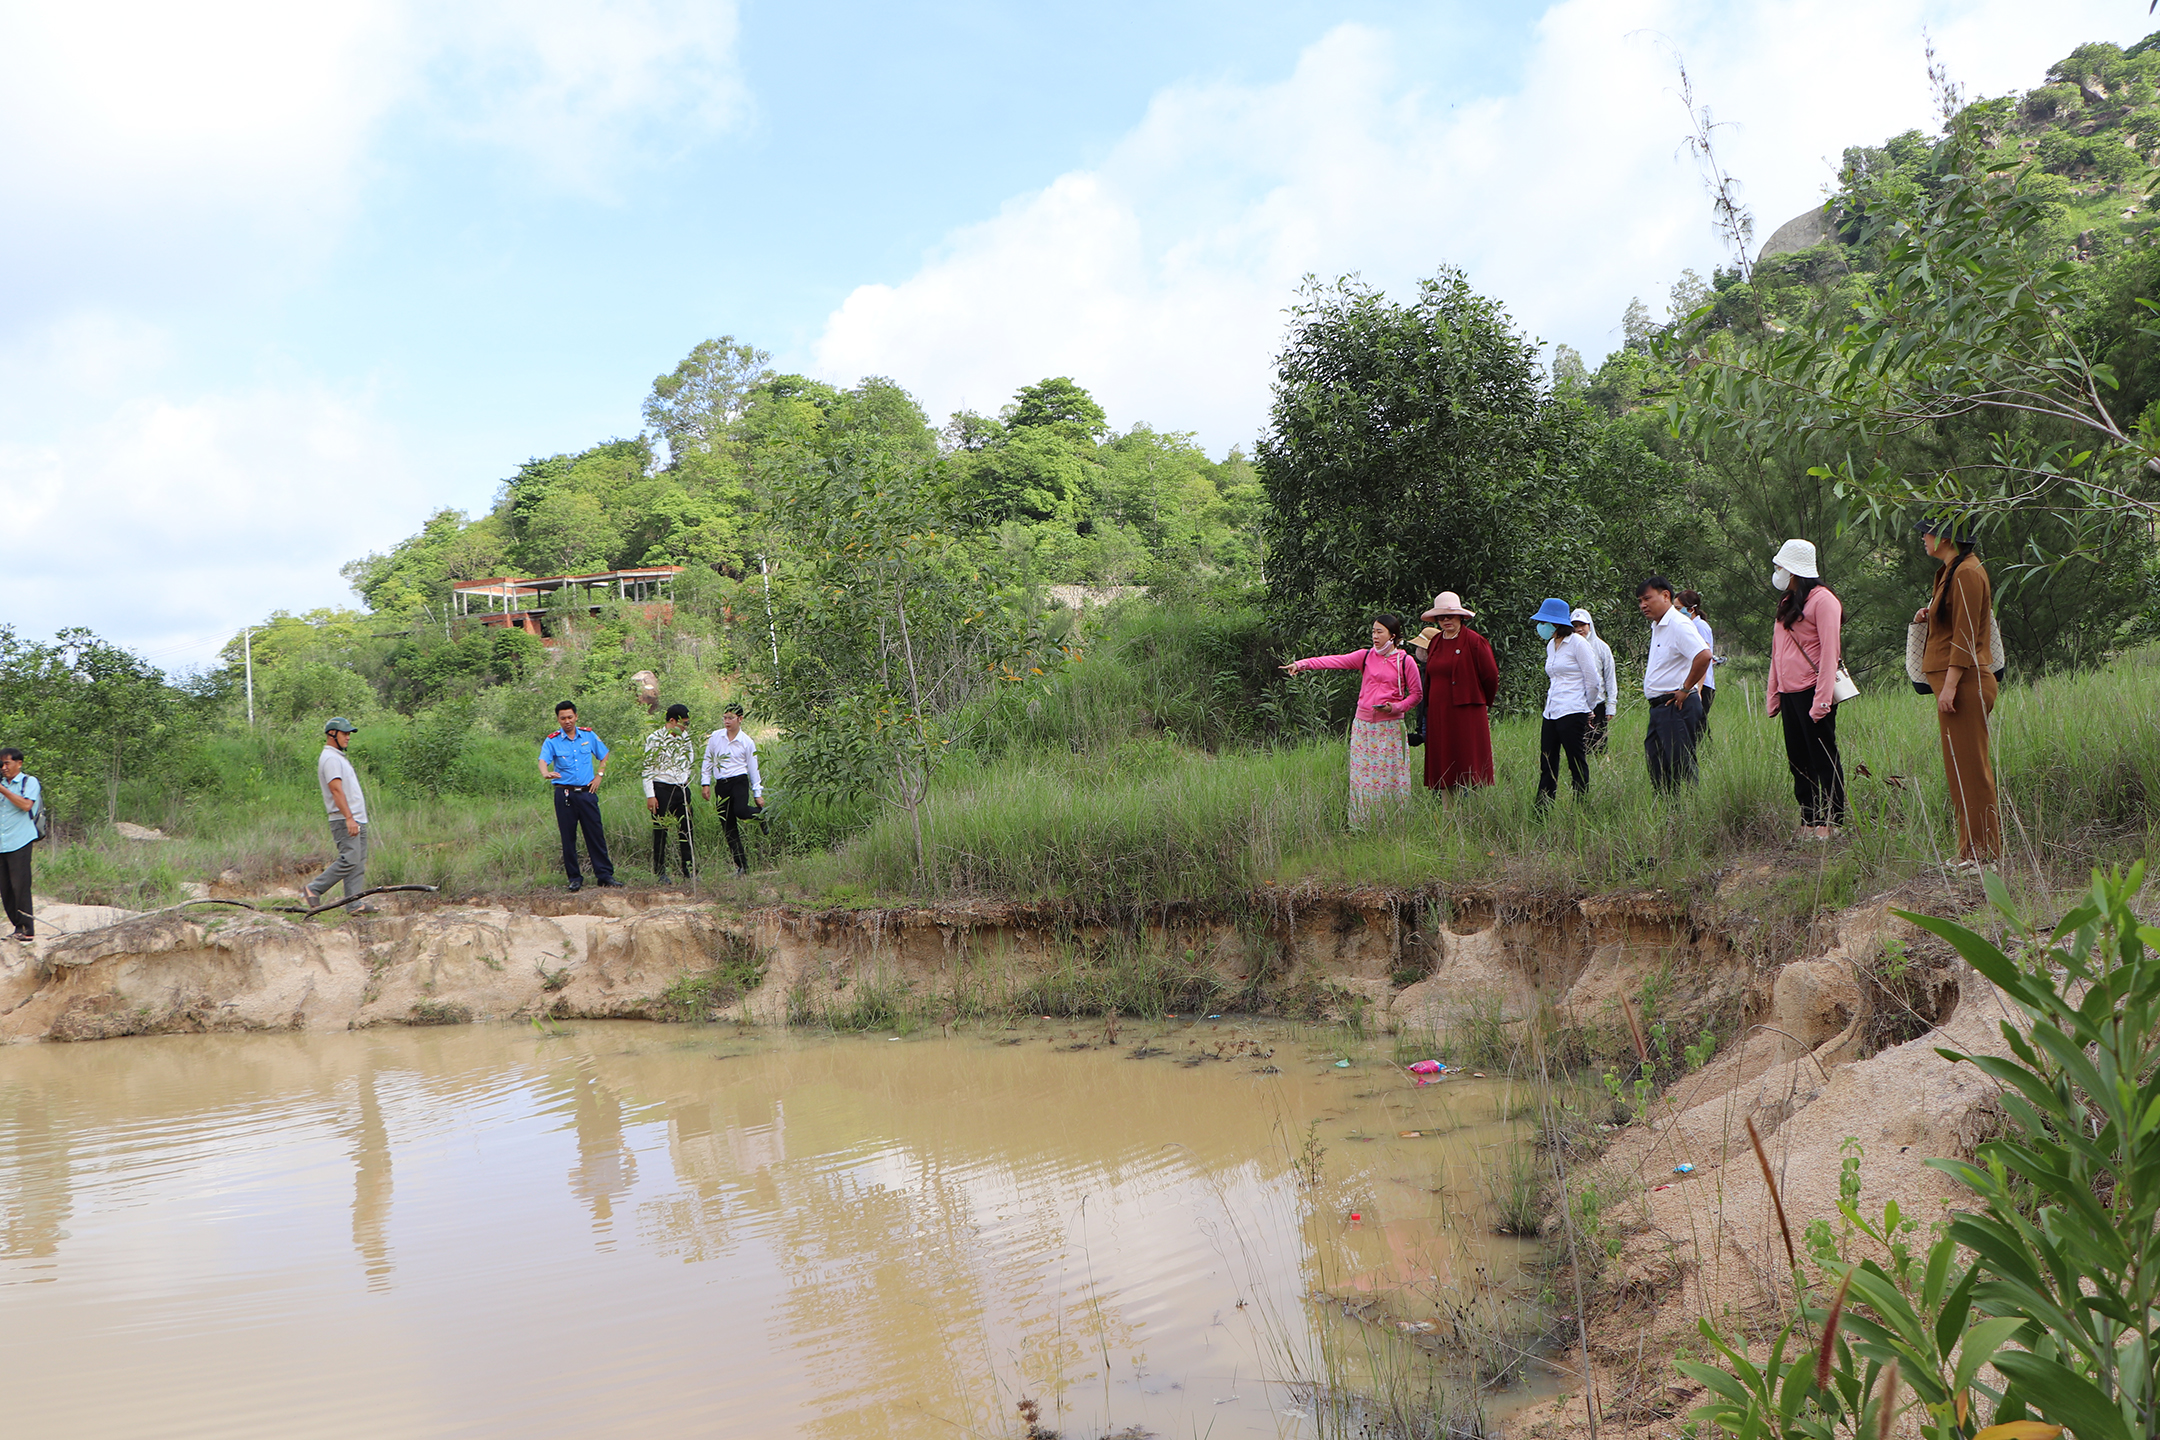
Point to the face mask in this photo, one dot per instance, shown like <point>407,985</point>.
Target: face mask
<point>1544,631</point>
<point>1780,578</point>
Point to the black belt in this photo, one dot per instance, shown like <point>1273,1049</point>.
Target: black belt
<point>560,786</point>
<point>1661,699</point>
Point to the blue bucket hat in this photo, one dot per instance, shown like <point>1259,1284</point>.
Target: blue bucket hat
<point>1555,612</point>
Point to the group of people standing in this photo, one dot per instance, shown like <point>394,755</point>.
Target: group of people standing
<point>1447,678</point>
<point>573,760</point>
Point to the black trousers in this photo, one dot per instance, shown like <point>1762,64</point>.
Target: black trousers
<point>1811,753</point>
<point>732,795</point>
<point>1595,730</point>
<point>15,888</point>
<point>1569,733</point>
<point>1709,698</point>
<point>577,808</point>
<point>674,802</point>
<point>1669,743</point>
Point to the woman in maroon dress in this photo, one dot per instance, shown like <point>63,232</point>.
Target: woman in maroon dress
<point>1461,679</point>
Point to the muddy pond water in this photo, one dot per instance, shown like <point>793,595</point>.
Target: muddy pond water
<point>629,1229</point>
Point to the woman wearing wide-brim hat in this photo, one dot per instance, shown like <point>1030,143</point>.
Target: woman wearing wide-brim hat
<point>1959,663</point>
<point>1461,681</point>
<point>1806,648</point>
<point>1572,687</point>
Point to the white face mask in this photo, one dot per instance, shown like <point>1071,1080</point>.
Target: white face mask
<point>1780,578</point>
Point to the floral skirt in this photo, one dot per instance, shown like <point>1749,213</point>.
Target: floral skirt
<point>1379,767</point>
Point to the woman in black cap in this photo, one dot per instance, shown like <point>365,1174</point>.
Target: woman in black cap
<point>1960,668</point>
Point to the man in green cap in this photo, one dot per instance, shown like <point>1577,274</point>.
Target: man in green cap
<point>348,815</point>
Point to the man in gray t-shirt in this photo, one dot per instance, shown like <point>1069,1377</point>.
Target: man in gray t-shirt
<point>347,808</point>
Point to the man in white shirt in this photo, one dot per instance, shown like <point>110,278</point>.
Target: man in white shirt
<point>1672,683</point>
<point>347,808</point>
<point>731,765</point>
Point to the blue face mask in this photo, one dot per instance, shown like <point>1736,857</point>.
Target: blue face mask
<point>1544,630</point>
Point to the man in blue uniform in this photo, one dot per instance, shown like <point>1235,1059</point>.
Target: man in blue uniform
<point>574,759</point>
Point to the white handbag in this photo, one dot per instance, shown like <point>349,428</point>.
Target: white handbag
<point>1843,689</point>
<point>1916,648</point>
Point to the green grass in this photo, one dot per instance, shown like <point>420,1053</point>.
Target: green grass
<point>1117,829</point>
<point>249,808</point>
<point>1162,768</point>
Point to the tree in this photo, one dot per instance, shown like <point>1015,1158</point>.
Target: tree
<point>967,430</point>
<point>1058,403</point>
<point>417,573</point>
<point>567,533</point>
<point>87,712</point>
<point>1970,328</point>
<point>1415,448</point>
<point>893,621</point>
<point>1035,474</point>
<point>1569,374</point>
<point>692,406</point>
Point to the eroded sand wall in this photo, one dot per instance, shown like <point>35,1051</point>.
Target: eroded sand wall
<point>1402,961</point>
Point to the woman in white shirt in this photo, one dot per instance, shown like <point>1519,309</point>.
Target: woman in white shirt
<point>1572,687</point>
<point>1690,601</point>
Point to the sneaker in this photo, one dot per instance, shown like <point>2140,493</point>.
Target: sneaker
<point>363,908</point>
<point>741,870</point>
<point>24,936</point>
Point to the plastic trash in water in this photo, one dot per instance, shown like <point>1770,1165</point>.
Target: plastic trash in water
<point>1427,1067</point>
<point>1342,1064</point>
<point>1683,1168</point>
<point>1214,1017</point>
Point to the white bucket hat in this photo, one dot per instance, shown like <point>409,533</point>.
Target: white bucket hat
<point>1447,602</point>
<point>1797,557</point>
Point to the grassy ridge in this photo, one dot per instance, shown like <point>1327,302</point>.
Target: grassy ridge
<point>1164,766</point>
<point>1125,825</point>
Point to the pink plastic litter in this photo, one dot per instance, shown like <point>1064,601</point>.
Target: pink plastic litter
<point>1427,1067</point>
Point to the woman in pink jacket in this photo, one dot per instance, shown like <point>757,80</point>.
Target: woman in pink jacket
<point>1389,689</point>
<point>1805,646</point>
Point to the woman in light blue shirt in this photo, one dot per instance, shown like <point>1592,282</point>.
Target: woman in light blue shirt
<point>1572,687</point>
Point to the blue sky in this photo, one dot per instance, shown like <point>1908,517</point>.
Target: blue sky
<point>283,282</point>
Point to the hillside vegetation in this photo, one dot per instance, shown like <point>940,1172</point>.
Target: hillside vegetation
<point>877,587</point>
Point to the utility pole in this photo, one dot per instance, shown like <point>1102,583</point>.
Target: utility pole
<point>247,649</point>
<point>771,629</point>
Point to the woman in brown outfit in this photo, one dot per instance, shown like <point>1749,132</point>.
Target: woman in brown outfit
<point>1961,669</point>
<point>1461,679</point>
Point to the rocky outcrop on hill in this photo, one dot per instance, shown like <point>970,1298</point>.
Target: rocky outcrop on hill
<point>1804,231</point>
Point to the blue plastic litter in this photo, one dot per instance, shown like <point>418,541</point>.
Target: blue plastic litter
<point>1683,1169</point>
<point>1342,1064</point>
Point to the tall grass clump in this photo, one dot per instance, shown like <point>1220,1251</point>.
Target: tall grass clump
<point>1113,832</point>
<point>1133,818</point>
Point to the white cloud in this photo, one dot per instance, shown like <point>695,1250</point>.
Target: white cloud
<point>576,88</point>
<point>1159,278</point>
<point>167,521</point>
<point>169,476</point>
<point>233,139</point>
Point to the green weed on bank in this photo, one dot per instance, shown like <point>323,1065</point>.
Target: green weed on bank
<point>1120,814</point>
<point>1114,828</point>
